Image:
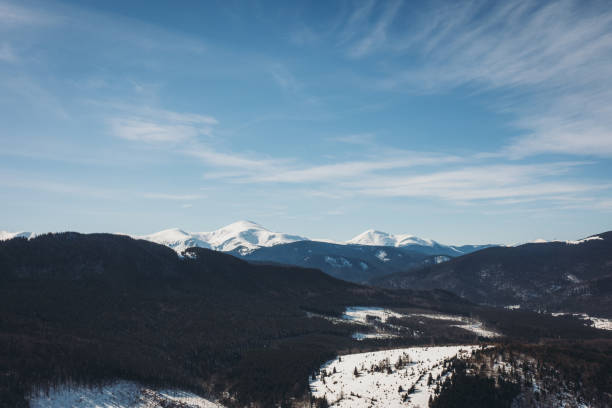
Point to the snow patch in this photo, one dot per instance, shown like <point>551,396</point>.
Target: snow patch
<point>471,325</point>
<point>441,258</point>
<point>572,278</point>
<point>121,394</point>
<point>363,336</point>
<point>578,242</point>
<point>382,255</point>
<point>582,241</point>
<point>600,323</point>
<point>360,314</point>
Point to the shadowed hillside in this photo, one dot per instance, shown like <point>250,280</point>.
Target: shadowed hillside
<point>554,276</point>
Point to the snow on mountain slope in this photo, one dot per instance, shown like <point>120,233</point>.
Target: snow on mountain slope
<point>5,235</point>
<point>244,236</point>
<point>577,242</point>
<point>177,239</point>
<point>379,238</point>
<point>428,246</point>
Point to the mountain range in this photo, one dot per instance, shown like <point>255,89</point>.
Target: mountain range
<point>244,237</point>
<point>368,255</point>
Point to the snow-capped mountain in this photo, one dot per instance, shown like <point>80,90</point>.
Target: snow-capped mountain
<point>4,235</point>
<point>176,239</point>
<point>427,246</point>
<point>241,236</point>
<point>379,238</point>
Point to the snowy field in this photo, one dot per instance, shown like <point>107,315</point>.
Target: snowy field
<point>380,375</point>
<point>464,323</point>
<point>364,315</point>
<point>122,394</point>
<point>359,314</point>
<point>597,322</point>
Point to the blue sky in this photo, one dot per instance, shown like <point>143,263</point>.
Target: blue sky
<point>465,122</point>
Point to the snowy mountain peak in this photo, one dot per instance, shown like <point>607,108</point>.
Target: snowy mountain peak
<point>244,236</point>
<point>379,238</point>
<point>171,233</point>
<point>5,235</point>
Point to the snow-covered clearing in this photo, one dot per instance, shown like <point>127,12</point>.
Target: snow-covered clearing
<point>122,394</point>
<point>373,322</point>
<point>597,322</point>
<point>363,336</point>
<point>465,323</point>
<point>477,328</point>
<point>600,322</point>
<point>360,314</point>
<point>380,375</point>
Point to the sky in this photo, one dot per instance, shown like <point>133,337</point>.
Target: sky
<point>464,122</point>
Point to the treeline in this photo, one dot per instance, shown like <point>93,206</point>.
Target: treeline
<point>462,390</point>
<point>557,373</point>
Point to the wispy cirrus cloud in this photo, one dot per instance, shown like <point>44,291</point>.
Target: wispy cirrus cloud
<point>147,131</point>
<point>376,33</point>
<point>487,182</point>
<point>152,125</point>
<point>550,61</point>
<point>38,182</point>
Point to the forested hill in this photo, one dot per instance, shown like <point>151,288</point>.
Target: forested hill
<point>573,276</point>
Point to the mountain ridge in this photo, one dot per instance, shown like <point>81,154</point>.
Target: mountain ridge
<point>243,237</point>
<point>558,276</point>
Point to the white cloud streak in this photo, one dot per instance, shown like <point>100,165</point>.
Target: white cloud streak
<point>151,125</point>
<point>490,182</point>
